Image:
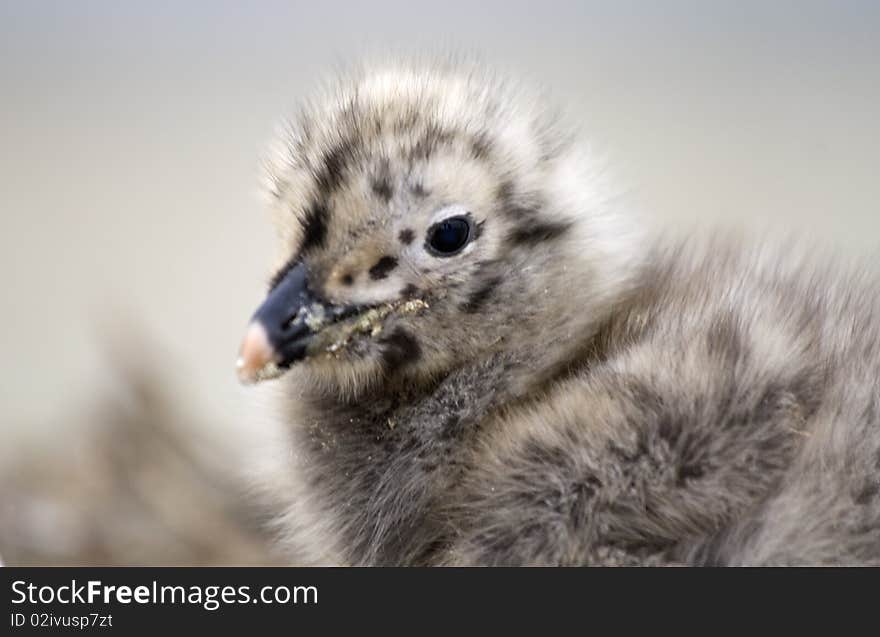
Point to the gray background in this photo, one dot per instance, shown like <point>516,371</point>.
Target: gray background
<point>130,135</point>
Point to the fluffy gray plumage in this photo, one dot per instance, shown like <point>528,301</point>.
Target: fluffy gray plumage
<point>572,390</point>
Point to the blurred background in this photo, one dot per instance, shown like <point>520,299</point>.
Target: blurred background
<point>134,247</point>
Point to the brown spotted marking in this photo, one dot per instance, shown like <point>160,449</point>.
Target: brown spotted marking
<point>406,236</point>
<point>382,268</point>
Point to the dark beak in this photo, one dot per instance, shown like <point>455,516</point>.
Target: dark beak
<point>282,327</point>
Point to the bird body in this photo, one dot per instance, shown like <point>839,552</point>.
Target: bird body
<point>485,360</point>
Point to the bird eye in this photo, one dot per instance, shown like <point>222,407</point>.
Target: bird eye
<point>449,236</point>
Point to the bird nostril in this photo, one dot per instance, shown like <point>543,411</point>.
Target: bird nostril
<point>300,323</point>
<point>287,323</point>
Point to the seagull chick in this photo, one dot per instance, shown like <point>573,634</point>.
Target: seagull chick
<point>481,357</point>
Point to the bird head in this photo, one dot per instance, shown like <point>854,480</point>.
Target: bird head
<point>429,217</point>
